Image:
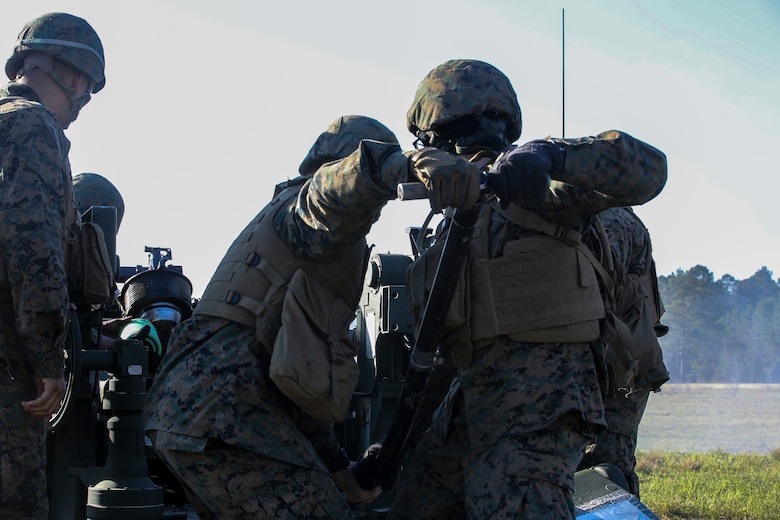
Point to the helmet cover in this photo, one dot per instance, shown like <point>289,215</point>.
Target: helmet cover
<point>341,138</point>
<point>64,37</point>
<point>92,189</point>
<point>459,88</point>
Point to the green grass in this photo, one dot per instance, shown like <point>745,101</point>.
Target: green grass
<point>715,485</point>
<point>711,452</point>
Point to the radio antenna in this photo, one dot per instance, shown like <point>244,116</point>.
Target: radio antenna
<point>563,76</point>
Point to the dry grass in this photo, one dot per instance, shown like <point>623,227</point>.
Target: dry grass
<point>705,418</point>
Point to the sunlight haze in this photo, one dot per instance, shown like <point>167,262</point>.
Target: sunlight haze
<point>208,105</point>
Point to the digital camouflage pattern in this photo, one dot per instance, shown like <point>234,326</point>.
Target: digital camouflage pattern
<point>460,88</point>
<point>212,398</point>
<point>632,248</point>
<point>66,37</point>
<point>510,433</point>
<point>432,485</point>
<point>617,445</point>
<point>287,491</point>
<point>92,189</point>
<point>628,172</point>
<point>629,240</point>
<point>35,202</point>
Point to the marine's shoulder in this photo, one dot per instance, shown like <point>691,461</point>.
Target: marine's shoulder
<point>25,114</point>
<point>622,216</point>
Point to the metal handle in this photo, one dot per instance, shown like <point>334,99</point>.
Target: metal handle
<point>412,191</point>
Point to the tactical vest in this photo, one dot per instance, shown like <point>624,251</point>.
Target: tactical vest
<point>545,288</point>
<point>250,283</point>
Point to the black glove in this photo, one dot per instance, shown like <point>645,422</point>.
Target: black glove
<point>523,174</point>
<point>450,180</point>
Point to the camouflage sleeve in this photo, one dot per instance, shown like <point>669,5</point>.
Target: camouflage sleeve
<point>609,170</point>
<point>32,211</point>
<point>343,199</point>
<point>323,439</point>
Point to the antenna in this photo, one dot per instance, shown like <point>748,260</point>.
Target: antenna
<point>563,76</point>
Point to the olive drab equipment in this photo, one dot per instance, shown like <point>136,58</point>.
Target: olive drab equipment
<point>300,310</point>
<point>89,265</point>
<point>64,37</point>
<point>545,288</point>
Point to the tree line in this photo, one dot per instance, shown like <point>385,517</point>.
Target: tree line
<point>721,331</point>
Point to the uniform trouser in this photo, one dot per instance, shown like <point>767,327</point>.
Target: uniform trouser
<point>518,478</point>
<point>23,492</point>
<point>617,445</point>
<point>230,482</point>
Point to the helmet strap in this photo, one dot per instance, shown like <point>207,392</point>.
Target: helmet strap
<point>45,63</point>
<point>431,138</point>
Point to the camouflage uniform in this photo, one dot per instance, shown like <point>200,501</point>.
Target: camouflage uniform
<point>237,444</point>
<point>507,438</point>
<point>35,198</point>
<point>631,246</point>
<point>38,220</point>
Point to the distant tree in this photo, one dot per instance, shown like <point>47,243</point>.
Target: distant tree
<point>721,331</point>
<point>749,327</point>
<point>694,303</point>
<point>755,289</point>
<point>767,347</point>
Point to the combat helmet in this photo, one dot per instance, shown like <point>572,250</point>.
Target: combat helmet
<point>64,37</point>
<point>465,103</point>
<point>341,138</point>
<point>92,189</point>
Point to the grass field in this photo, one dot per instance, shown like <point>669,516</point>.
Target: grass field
<point>712,417</point>
<point>710,486</point>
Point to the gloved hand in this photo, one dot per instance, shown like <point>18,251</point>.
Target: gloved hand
<point>451,181</point>
<point>523,174</point>
<point>137,328</point>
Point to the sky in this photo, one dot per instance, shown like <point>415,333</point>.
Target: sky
<point>208,105</point>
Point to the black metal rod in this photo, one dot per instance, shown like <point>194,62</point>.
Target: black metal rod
<point>384,466</point>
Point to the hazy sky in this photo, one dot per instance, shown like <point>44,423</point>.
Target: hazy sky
<point>208,105</point>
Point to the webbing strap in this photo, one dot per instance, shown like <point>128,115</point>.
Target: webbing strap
<point>530,220</point>
<point>607,280</point>
<point>253,305</point>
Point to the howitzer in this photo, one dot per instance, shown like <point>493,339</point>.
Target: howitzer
<point>98,458</point>
<point>381,467</point>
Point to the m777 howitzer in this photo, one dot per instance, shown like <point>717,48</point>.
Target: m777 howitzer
<point>98,456</point>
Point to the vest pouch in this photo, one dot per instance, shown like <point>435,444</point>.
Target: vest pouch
<point>639,317</point>
<point>545,291</point>
<point>313,362</point>
<point>89,268</point>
